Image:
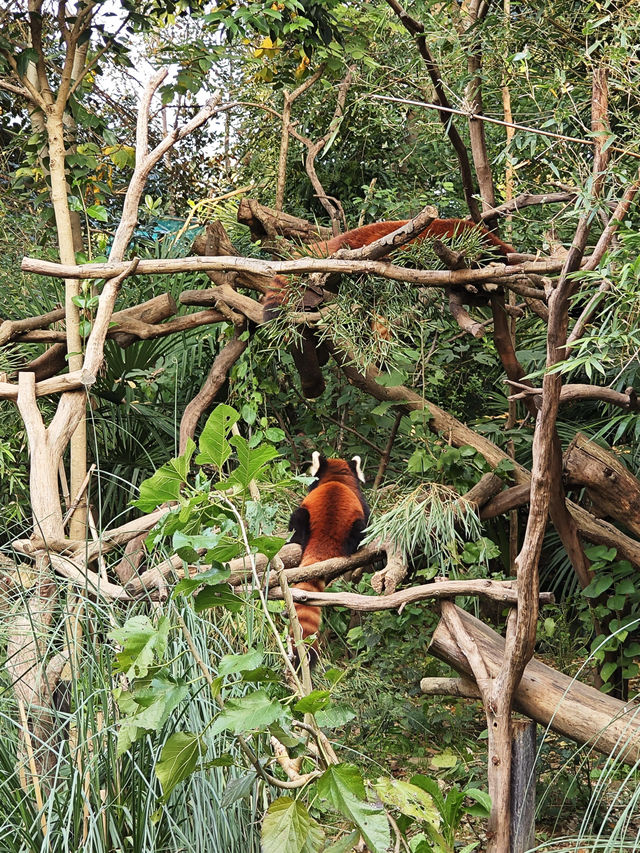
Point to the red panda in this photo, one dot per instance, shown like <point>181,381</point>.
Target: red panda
<point>330,522</point>
<point>307,355</point>
<point>363,236</point>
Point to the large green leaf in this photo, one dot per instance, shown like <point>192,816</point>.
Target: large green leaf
<point>317,700</point>
<point>251,461</point>
<point>345,844</point>
<point>238,788</point>
<point>334,716</point>
<point>214,447</point>
<point>289,828</point>
<point>143,643</point>
<point>214,575</point>
<point>146,708</point>
<point>253,711</point>
<point>165,485</point>
<point>240,663</point>
<point>409,799</point>
<point>178,759</point>
<point>217,595</point>
<point>342,785</point>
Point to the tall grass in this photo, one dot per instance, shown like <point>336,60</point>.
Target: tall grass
<point>91,800</point>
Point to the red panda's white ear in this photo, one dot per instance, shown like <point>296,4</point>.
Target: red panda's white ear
<point>359,471</point>
<point>315,463</point>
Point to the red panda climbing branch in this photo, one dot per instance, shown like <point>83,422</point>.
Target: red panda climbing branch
<point>330,522</point>
<point>306,355</point>
<point>367,234</point>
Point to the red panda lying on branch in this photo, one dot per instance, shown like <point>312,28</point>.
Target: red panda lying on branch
<point>330,522</point>
<point>305,355</point>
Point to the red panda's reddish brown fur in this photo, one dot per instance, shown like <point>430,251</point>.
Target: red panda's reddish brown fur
<point>329,522</point>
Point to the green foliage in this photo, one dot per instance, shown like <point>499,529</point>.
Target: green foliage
<point>432,522</point>
<point>289,828</point>
<point>343,787</point>
<point>207,524</point>
<point>615,597</point>
<point>452,809</point>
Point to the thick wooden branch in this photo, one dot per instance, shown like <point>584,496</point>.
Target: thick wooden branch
<point>504,591</point>
<point>462,687</point>
<point>510,499</point>
<point>218,373</point>
<point>462,316</point>
<point>570,708</point>
<point>10,329</point>
<point>611,486</point>
<point>215,242</point>
<point>57,384</point>
<point>327,569</point>
<point>427,278</point>
<point>527,200</point>
<point>249,308</point>
<point>267,223</point>
<point>575,392</point>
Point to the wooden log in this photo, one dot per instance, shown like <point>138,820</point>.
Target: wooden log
<point>523,785</point>
<point>610,486</point>
<point>224,293</point>
<point>486,487</point>
<point>52,361</point>
<point>443,686</point>
<point>567,706</point>
<point>152,311</point>
<point>267,223</point>
<point>506,501</point>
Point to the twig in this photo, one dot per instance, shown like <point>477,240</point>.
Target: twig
<point>384,461</point>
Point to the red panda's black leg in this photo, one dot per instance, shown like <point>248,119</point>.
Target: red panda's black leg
<point>305,358</point>
<point>299,523</point>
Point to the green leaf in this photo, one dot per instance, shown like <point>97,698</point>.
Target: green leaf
<point>607,670</point>
<point>224,760</point>
<point>410,799</point>
<point>238,788</point>
<point>23,59</point>
<point>600,552</point>
<point>217,595</point>
<point>625,587</point>
<point>147,708</point>
<point>334,716</point>
<point>597,586</point>
<point>446,759</point>
<point>268,545</point>
<point>431,787</point>
<point>289,828</point>
<point>482,799</point>
<point>342,785</point>
<point>315,701</point>
<point>215,576</point>
<point>142,644</point>
<point>97,211</point>
<point>251,461</point>
<point>394,377</point>
<point>240,663</point>
<point>213,444</point>
<point>164,486</point>
<point>345,845</point>
<point>253,711</point>
<point>178,760</point>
